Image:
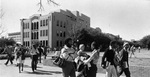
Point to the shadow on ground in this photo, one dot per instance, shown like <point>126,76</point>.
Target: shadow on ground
<point>43,72</point>
<point>27,66</point>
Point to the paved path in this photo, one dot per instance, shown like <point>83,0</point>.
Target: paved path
<point>42,71</point>
<point>46,71</point>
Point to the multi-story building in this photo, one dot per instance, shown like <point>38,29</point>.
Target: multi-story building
<point>52,29</point>
<point>16,36</point>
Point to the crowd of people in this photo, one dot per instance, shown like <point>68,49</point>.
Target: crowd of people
<point>19,52</point>
<point>114,59</point>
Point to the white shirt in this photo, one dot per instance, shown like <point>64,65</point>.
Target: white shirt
<point>34,51</point>
<point>68,53</point>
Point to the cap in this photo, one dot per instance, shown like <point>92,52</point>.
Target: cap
<point>125,44</point>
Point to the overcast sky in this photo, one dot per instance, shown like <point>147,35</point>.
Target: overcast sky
<point>128,18</point>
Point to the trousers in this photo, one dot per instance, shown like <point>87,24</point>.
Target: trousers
<point>111,71</point>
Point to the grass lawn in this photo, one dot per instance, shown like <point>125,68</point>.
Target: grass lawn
<point>139,66</point>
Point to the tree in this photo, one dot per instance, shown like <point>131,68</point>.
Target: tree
<point>145,41</point>
<point>6,41</point>
<point>87,36</point>
<point>40,4</point>
<point>1,27</point>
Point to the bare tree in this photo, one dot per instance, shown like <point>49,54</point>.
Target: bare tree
<point>41,7</point>
<point>1,27</point>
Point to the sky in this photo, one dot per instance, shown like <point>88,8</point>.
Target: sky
<point>128,18</point>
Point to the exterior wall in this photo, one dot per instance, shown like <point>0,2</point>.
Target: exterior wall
<point>43,30</point>
<point>16,36</point>
<point>58,26</point>
<point>58,29</point>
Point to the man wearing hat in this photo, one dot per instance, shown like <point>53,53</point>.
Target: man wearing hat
<point>124,59</point>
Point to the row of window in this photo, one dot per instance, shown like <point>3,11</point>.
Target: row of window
<point>61,23</point>
<point>43,32</point>
<point>61,34</point>
<point>44,22</point>
<point>25,25</point>
<point>26,34</point>
<point>59,43</point>
<point>44,42</point>
<point>26,43</point>
<point>34,35</point>
<point>35,26</point>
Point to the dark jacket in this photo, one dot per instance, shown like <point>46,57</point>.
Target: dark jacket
<point>124,54</point>
<point>109,56</point>
<point>8,50</point>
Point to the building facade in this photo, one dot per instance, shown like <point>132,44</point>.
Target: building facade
<point>16,36</point>
<point>52,29</point>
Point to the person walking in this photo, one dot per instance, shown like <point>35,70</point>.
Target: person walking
<point>69,54</point>
<point>41,51</point>
<point>132,51</point>
<point>124,61</point>
<point>21,57</point>
<point>79,60</point>
<point>45,52</point>
<point>139,48</point>
<point>9,52</point>
<point>16,50</point>
<point>108,60</point>
<point>92,61</point>
<point>34,53</point>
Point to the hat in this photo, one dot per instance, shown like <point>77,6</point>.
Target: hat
<point>125,44</point>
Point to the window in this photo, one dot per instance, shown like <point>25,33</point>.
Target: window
<point>40,32</point>
<point>46,32</point>
<point>28,43</point>
<point>57,22</point>
<point>37,35</point>
<point>43,32</point>
<point>57,44</point>
<point>37,25</point>
<point>43,43</point>
<point>60,33</point>
<point>41,22</point>
<point>57,33</point>
<point>46,42</point>
<point>32,26</point>
<point>64,25</point>
<point>46,22</point>
<point>61,24</point>
<point>32,35</point>
<point>64,34</point>
<point>28,34</point>
<point>60,43</point>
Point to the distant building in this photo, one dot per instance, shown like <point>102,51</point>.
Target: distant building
<point>52,29</point>
<point>16,36</point>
